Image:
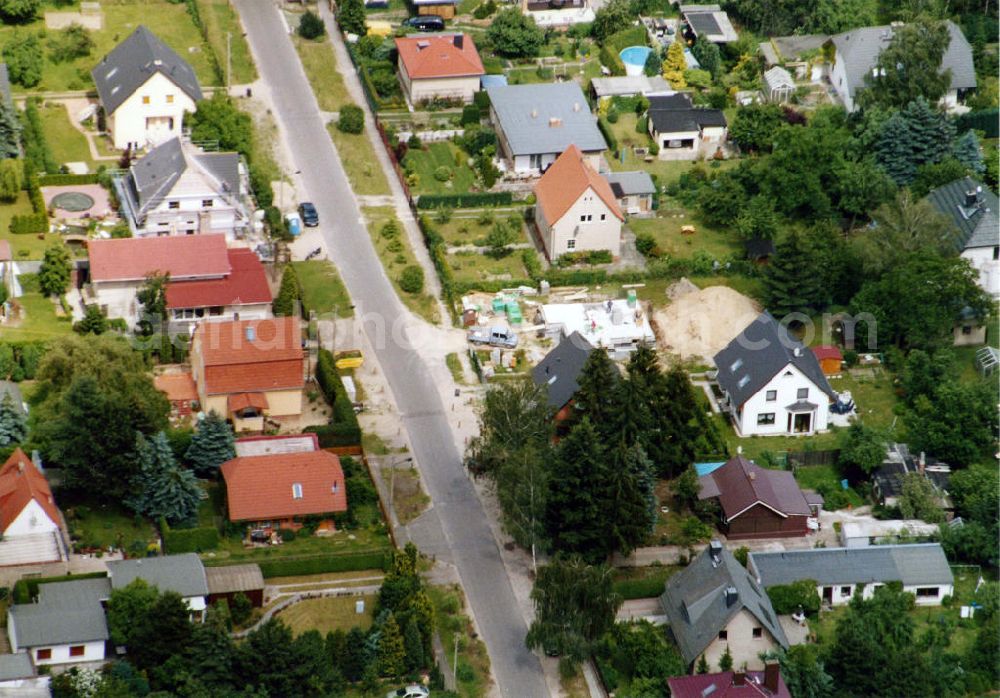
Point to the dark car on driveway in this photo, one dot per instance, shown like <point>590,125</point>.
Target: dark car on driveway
<point>309,215</point>
<point>426,23</point>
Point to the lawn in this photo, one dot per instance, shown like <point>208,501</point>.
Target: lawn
<point>666,229</point>
<point>397,254</point>
<point>759,447</point>
<point>322,289</point>
<point>446,157</point>
<point>642,582</point>
<point>171,22</point>
<point>22,246</point>
<point>320,65</point>
<point>666,171</point>
<point>475,266</point>
<point>874,395</point>
<point>107,525</point>
<point>473,670</point>
<point>408,498</point>
<point>471,226</point>
<point>67,144</point>
<point>38,321</point>
<point>360,162</point>
<point>328,613</point>
<point>220,20</point>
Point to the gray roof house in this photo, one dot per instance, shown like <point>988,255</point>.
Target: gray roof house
<point>65,626</point>
<point>634,190</point>
<point>714,603</point>
<point>131,63</point>
<point>536,123</point>
<point>561,367</point>
<point>683,131</point>
<point>183,574</point>
<point>767,375</point>
<point>175,170</point>
<point>841,573</point>
<point>16,666</point>
<point>857,53</point>
<point>972,209</point>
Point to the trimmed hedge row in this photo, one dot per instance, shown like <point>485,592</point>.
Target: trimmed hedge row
<point>611,60</point>
<point>608,134</point>
<point>985,120</point>
<point>29,223</point>
<point>56,180</point>
<point>318,564</point>
<point>469,200</point>
<point>343,429</point>
<point>189,540</point>
<point>26,590</point>
<point>438,249</point>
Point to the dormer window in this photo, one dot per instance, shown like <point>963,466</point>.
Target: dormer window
<point>297,490</point>
<point>736,365</point>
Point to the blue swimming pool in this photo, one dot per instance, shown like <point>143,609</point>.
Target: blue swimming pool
<point>634,58</point>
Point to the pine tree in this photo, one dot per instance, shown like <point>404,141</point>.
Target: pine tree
<point>13,428</point>
<point>893,150</point>
<point>674,66</point>
<point>708,55</point>
<point>595,397</point>
<point>162,488</point>
<point>792,282</point>
<point>576,514</point>
<point>702,667</point>
<point>726,660</point>
<point>968,152</point>
<point>287,301</point>
<point>630,499</point>
<point>414,645</point>
<point>391,652</point>
<point>211,446</point>
<point>931,132</point>
<point>10,131</point>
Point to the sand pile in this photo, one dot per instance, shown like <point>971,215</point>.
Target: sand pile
<point>699,323</point>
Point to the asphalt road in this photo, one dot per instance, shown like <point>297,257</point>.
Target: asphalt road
<point>517,671</point>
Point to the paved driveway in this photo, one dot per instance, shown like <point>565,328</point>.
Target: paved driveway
<point>391,328</point>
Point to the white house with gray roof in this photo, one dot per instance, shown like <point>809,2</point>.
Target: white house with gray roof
<point>145,88</point>
<point>974,213</point>
<point>66,626</point>
<point>856,54</point>
<point>772,384</point>
<point>182,574</point>
<point>178,189</point>
<point>843,573</point>
<point>536,123</point>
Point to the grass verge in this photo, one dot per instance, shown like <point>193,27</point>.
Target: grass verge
<point>408,498</point>
<point>322,288</point>
<point>397,254</point>
<point>320,65</point>
<point>360,162</point>
<point>219,18</point>
<point>454,363</point>
<point>473,670</point>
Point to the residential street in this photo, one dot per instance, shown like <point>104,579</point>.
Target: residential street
<point>388,325</point>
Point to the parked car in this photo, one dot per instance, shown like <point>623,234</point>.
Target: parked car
<point>494,336</point>
<point>414,690</point>
<point>426,23</point>
<point>310,217</point>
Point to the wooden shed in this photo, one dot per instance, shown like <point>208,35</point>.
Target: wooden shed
<point>830,359</point>
<point>226,581</point>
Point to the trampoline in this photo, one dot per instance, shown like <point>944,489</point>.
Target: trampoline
<point>73,201</point>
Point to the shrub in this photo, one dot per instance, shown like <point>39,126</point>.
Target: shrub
<point>189,540</point>
<point>23,55</point>
<point>412,279</point>
<point>613,116</point>
<point>471,115</point>
<point>442,173</point>
<point>352,119</point>
<point>787,598</point>
<point>287,535</point>
<point>485,9</point>
<point>469,200</point>
<point>240,608</point>
<point>646,245</point>
<point>70,43</point>
<point>311,26</point>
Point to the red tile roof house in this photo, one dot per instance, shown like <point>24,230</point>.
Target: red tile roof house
<point>278,490</point>
<point>30,521</point>
<point>180,390</point>
<point>731,684</point>
<point>576,209</point>
<point>207,280</point>
<point>249,369</point>
<point>756,502</point>
<point>439,66</point>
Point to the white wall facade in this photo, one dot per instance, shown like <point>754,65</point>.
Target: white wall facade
<point>152,114</point>
<point>986,261</point>
<point>186,319</point>
<point>841,594</point>
<point>32,519</point>
<point>589,224</point>
<point>117,299</point>
<point>743,646</point>
<point>93,651</point>
<point>194,205</point>
<point>420,89</point>
<point>838,79</point>
<point>785,385</point>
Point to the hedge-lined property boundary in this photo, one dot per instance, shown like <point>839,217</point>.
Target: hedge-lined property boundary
<point>314,564</point>
<point>473,199</point>
<point>188,540</point>
<point>26,590</point>
<point>343,429</point>
<point>59,180</point>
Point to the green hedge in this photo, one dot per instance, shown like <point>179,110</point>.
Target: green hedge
<point>469,200</point>
<point>318,564</point>
<point>611,60</point>
<point>26,590</point>
<point>189,540</point>
<point>331,435</point>
<point>633,36</point>
<point>56,180</point>
<point>343,429</point>
<point>646,588</point>
<point>608,134</point>
<point>438,250</point>
<point>786,598</point>
<point>29,224</point>
<point>986,120</point>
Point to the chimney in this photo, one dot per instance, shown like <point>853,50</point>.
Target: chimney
<point>922,463</point>
<point>971,198</point>
<point>534,113</point>
<point>715,551</point>
<point>739,678</point>
<point>732,595</point>
<point>772,675</point>
<point>797,351</point>
<point>459,41</point>
<point>555,122</point>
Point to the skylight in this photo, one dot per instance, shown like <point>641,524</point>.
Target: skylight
<point>743,382</point>
<point>736,365</point>
<point>297,490</point>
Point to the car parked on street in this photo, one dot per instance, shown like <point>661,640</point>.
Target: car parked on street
<point>309,214</point>
<point>426,23</point>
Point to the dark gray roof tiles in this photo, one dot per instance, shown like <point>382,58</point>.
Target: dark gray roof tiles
<point>36,625</point>
<point>545,118</point>
<point>183,574</point>
<point>756,356</point>
<point>630,183</point>
<point>675,113</point>
<point>912,565</point>
<point>74,594</point>
<point>132,62</point>
<point>975,225</point>
<point>16,666</point>
<point>697,608</point>
<point>561,367</point>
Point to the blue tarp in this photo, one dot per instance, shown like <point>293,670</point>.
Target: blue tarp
<point>706,468</point>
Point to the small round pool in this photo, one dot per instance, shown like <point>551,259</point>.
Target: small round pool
<point>634,58</point>
<point>72,201</point>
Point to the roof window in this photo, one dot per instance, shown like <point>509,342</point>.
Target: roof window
<point>736,365</point>
<point>296,490</point>
<point>742,383</point>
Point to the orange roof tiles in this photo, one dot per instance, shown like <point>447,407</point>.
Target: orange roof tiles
<point>178,387</point>
<point>183,257</point>
<point>245,284</point>
<point>246,356</point>
<point>441,56</point>
<point>827,351</point>
<point>240,401</point>
<point>21,482</point>
<point>565,182</point>
<point>260,488</point>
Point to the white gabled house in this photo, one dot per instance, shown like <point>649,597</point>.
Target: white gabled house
<point>772,384</point>
<point>145,88</point>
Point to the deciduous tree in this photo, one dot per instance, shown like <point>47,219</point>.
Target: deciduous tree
<point>910,66</point>
<point>19,11</point>
<point>352,17</point>
<point>905,226</point>
<point>755,125</point>
<point>612,17</point>
<point>53,275</point>
<point>862,447</point>
<point>957,423</point>
<point>674,65</point>
<point>23,56</point>
<point>515,35</point>
<point>152,296</point>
